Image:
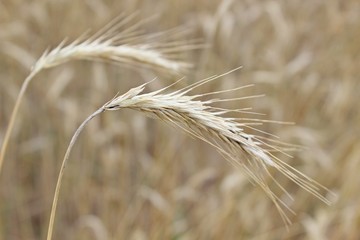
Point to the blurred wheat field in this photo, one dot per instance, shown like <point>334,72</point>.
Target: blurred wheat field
<point>130,177</point>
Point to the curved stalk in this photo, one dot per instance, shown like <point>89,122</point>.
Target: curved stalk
<point>61,173</point>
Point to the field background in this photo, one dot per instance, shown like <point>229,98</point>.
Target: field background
<point>130,177</point>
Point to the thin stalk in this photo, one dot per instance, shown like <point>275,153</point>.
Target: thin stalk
<point>13,117</point>
<point>61,173</point>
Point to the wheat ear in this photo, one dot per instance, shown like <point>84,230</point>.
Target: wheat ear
<point>248,152</point>
<point>119,42</point>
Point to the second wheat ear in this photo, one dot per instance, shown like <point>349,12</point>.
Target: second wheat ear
<point>250,153</point>
<point>119,42</point>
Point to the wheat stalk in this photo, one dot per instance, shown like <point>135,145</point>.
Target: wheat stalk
<point>119,42</point>
<point>248,152</point>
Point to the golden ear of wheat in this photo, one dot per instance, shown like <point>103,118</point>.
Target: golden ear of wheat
<point>200,119</point>
<point>121,41</point>
<point>250,153</point>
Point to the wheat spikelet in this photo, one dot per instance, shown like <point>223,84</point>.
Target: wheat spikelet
<point>248,152</point>
<point>119,42</point>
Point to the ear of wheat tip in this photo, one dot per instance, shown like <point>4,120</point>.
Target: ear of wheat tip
<point>250,153</point>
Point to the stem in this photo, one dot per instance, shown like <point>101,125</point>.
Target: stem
<point>13,117</point>
<point>59,180</point>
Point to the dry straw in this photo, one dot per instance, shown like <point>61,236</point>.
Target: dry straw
<point>201,119</point>
<point>119,42</point>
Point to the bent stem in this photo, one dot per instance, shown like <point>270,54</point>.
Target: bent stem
<point>61,173</point>
<point>13,117</point>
